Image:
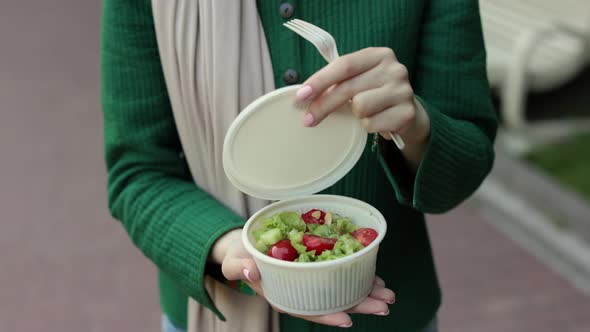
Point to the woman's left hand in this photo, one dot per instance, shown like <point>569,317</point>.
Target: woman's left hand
<point>238,264</point>
<point>378,86</point>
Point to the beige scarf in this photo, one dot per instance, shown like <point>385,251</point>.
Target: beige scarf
<point>215,61</point>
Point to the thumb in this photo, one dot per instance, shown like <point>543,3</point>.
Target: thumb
<point>240,269</point>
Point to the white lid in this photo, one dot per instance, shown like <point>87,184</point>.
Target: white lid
<point>269,154</point>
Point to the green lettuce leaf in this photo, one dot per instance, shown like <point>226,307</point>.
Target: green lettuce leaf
<point>307,257</point>
<point>277,228</point>
<point>296,239</point>
<point>256,234</point>
<point>324,231</point>
<point>293,220</point>
<point>347,245</point>
<point>271,236</point>
<point>263,248</point>
<point>285,222</point>
<point>343,225</point>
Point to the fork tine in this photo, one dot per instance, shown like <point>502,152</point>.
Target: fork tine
<point>301,32</point>
<point>293,27</point>
<point>304,31</point>
<point>322,44</point>
<point>309,28</point>
<point>314,28</point>
<point>312,38</point>
<point>307,31</point>
<point>327,40</point>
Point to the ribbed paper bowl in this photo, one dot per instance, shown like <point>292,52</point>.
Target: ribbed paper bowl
<point>323,287</point>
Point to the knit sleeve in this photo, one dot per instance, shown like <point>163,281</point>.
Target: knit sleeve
<point>451,83</point>
<point>166,215</point>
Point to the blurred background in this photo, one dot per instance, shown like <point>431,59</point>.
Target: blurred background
<point>515,257</point>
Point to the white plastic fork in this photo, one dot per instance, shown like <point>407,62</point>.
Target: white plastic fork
<point>326,45</point>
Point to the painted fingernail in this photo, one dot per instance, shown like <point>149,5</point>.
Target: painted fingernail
<point>383,313</point>
<point>346,325</point>
<point>308,120</point>
<point>247,274</point>
<point>304,92</point>
<point>391,301</point>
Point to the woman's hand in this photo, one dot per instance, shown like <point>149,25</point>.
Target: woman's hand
<point>239,265</point>
<point>378,86</point>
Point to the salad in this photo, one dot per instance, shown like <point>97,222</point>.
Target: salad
<point>313,236</point>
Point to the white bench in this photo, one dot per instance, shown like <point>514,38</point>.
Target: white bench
<point>533,45</point>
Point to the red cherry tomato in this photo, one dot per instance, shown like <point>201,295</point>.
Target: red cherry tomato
<point>314,216</point>
<point>283,250</point>
<point>365,235</point>
<point>317,243</point>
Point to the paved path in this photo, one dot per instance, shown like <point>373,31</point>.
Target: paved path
<point>491,284</point>
<point>65,266</point>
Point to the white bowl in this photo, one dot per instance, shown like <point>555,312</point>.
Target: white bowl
<point>318,288</point>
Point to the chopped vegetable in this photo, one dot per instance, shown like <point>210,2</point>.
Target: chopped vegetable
<point>313,236</point>
<point>365,235</point>
<point>283,250</point>
<point>314,216</point>
<point>317,243</point>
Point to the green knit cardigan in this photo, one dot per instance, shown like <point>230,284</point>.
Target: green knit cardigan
<point>174,223</point>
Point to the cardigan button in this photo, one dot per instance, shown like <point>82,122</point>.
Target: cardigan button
<point>286,10</point>
<point>291,76</point>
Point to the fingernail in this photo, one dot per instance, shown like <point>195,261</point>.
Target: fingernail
<point>346,325</point>
<point>247,274</point>
<point>390,302</point>
<point>304,92</point>
<point>308,120</point>
<point>383,313</point>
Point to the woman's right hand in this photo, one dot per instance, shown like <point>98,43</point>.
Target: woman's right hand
<point>237,264</point>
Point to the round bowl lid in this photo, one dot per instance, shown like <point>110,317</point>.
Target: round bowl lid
<point>269,154</point>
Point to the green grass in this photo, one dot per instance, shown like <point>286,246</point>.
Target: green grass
<point>569,162</point>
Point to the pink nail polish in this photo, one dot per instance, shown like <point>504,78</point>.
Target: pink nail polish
<point>247,274</point>
<point>346,325</point>
<point>383,313</point>
<point>304,92</point>
<point>308,120</point>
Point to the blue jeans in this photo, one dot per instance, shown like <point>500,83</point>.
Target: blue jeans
<point>167,326</point>
<point>432,327</point>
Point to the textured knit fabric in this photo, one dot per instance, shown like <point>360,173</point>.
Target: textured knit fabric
<point>175,223</point>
